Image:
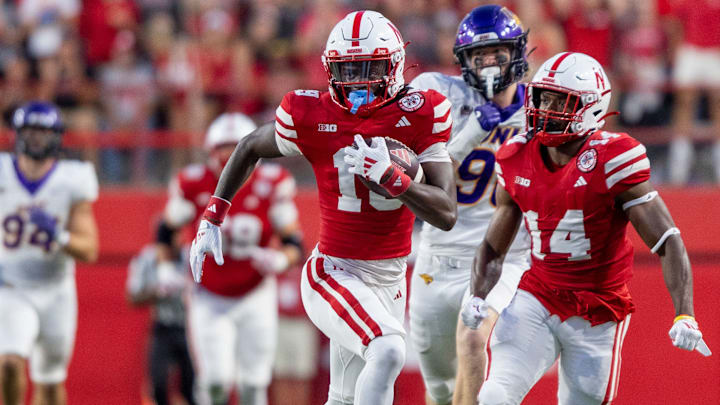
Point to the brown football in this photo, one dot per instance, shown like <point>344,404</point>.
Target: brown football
<point>403,158</point>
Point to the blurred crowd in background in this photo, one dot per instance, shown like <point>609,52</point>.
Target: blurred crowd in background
<point>139,81</point>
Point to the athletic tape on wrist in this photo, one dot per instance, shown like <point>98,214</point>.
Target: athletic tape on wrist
<point>397,183</point>
<point>63,238</point>
<point>663,238</point>
<point>216,210</point>
<point>683,316</point>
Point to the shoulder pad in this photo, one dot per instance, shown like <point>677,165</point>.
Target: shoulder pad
<point>193,172</point>
<point>512,146</point>
<point>270,171</point>
<point>427,80</point>
<point>308,93</point>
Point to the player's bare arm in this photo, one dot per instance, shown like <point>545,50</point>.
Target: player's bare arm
<point>83,242</point>
<point>258,144</point>
<point>489,256</point>
<point>435,201</point>
<point>652,220</point>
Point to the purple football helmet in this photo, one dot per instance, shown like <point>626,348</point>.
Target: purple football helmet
<point>38,116</point>
<point>491,25</point>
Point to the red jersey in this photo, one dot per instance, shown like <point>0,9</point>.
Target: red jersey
<point>578,232</point>
<point>356,223</point>
<point>250,222</point>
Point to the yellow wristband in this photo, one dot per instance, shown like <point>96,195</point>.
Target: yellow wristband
<point>679,317</point>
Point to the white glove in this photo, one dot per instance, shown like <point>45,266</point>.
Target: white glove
<point>371,161</point>
<point>207,239</point>
<point>269,261</point>
<point>686,335</point>
<point>474,311</point>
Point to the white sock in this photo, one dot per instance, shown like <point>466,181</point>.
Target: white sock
<point>716,160</point>
<point>384,358</point>
<point>680,160</point>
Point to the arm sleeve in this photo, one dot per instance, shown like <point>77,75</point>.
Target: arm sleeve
<point>625,164</point>
<point>285,130</point>
<point>441,122</point>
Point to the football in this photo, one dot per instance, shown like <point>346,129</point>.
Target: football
<point>403,158</point>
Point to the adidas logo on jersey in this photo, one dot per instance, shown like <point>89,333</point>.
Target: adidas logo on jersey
<point>580,182</point>
<point>403,122</point>
<point>212,209</point>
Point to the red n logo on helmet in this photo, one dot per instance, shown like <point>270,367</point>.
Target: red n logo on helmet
<point>599,80</point>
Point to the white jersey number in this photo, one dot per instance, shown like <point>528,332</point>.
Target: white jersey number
<point>568,236</point>
<point>348,200</point>
<point>242,234</point>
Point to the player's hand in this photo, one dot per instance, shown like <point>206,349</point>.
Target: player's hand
<point>43,221</point>
<point>269,261</point>
<point>488,115</point>
<point>686,335</point>
<point>371,162</point>
<point>474,311</point>
<point>207,239</point>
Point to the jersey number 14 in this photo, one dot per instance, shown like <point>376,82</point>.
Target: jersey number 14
<point>568,236</point>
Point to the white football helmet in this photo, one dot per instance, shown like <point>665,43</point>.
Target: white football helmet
<point>586,87</point>
<point>228,129</point>
<point>364,59</point>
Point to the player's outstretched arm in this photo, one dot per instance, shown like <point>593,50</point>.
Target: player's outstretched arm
<point>83,242</point>
<point>258,144</point>
<point>435,201</point>
<point>653,222</point>
<point>489,257</point>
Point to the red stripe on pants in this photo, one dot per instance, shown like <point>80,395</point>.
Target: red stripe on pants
<point>334,303</point>
<point>354,303</point>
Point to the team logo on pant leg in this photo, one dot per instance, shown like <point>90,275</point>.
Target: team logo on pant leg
<point>411,102</point>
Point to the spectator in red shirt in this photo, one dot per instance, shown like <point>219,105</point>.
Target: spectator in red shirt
<point>696,69</point>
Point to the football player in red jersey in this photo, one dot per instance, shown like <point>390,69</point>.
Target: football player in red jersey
<point>233,313</point>
<point>353,284</point>
<point>576,187</point>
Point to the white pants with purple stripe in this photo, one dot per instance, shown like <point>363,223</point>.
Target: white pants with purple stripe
<point>527,340</point>
<point>351,313</point>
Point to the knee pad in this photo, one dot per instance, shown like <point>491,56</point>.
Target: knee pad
<point>387,349</point>
<point>492,393</point>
